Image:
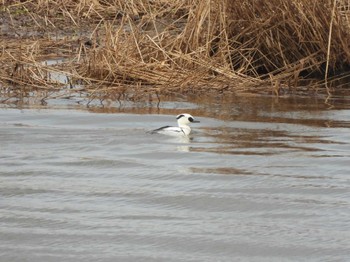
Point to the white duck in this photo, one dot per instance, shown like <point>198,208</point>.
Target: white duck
<point>183,128</point>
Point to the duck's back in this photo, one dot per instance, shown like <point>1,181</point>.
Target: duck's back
<point>172,130</point>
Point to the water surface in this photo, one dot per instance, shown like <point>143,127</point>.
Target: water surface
<point>256,181</point>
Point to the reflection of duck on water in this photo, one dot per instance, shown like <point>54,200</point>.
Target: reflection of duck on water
<point>182,129</point>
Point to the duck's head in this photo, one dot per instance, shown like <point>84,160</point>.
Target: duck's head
<point>185,119</point>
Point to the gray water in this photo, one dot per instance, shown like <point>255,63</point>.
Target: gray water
<point>252,183</point>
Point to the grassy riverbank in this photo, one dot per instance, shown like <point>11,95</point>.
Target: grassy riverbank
<point>137,49</point>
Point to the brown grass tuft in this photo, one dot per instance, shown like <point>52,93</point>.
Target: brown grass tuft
<point>193,46</point>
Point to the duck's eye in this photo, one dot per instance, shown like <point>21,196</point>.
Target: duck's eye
<point>190,119</point>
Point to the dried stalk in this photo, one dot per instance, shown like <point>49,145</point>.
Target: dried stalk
<point>182,46</point>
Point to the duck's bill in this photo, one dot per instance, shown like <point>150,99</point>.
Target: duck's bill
<point>196,121</point>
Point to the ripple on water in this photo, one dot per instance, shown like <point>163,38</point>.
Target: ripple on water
<point>88,186</point>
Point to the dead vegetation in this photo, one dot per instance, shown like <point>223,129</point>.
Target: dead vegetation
<point>116,48</point>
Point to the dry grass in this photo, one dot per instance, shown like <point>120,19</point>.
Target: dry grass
<point>165,47</point>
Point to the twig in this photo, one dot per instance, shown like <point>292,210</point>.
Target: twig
<point>329,48</point>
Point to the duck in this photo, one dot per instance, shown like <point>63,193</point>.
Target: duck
<point>183,128</point>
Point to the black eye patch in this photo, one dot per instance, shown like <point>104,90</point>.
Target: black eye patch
<point>190,119</point>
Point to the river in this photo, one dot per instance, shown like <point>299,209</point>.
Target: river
<point>259,179</point>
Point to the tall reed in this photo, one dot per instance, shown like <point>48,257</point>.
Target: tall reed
<point>197,46</point>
